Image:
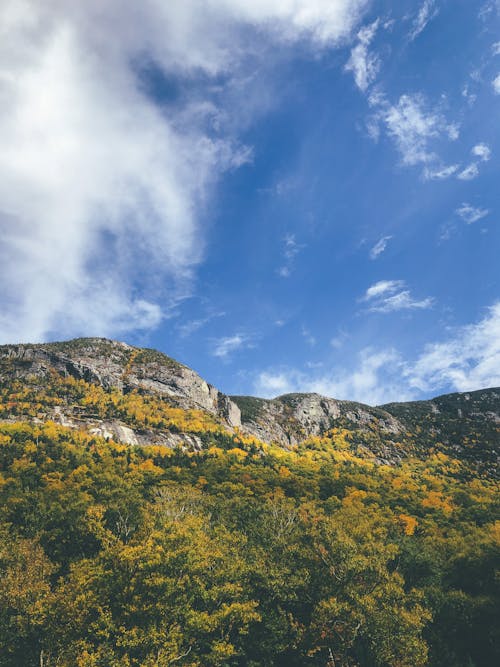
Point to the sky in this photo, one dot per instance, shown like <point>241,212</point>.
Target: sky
<point>285,195</point>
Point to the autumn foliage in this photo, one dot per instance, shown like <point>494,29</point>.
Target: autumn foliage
<point>241,554</point>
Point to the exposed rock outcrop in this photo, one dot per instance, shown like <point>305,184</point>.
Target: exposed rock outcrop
<point>291,418</point>
<point>460,425</point>
<point>114,364</point>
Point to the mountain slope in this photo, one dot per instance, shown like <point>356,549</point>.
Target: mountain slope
<point>141,396</point>
<point>112,364</point>
<point>143,528</point>
<point>460,425</point>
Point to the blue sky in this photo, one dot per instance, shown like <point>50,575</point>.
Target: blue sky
<point>284,195</point>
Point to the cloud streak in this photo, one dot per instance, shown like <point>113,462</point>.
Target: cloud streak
<point>379,247</point>
<point>483,153</point>
<point>387,296</point>
<point>413,126</point>
<point>224,347</point>
<point>471,214</point>
<point>363,64</point>
<point>426,13</point>
<point>291,248</point>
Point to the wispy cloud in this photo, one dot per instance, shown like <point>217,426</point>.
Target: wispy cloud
<point>339,339</point>
<point>440,173</point>
<point>363,64</point>
<point>188,328</point>
<point>224,347</point>
<point>482,151</point>
<point>496,85</point>
<point>379,247</point>
<point>471,214</point>
<point>308,336</point>
<point>388,296</point>
<point>401,301</point>
<point>468,359</point>
<point>291,249</point>
<point>468,95</point>
<point>368,382</point>
<point>470,172</point>
<point>382,288</point>
<point>446,231</point>
<point>413,126</point>
<point>426,13</point>
<point>274,383</point>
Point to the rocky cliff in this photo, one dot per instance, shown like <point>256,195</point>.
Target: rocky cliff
<point>151,384</point>
<point>289,419</point>
<point>112,364</point>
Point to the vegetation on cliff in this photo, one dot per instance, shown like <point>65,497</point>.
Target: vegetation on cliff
<point>241,554</point>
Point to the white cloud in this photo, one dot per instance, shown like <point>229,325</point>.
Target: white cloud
<point>229,344</point>
<point>446,231</point>
<point>379,247</point>
<point>369,381</point>
<point>191,326</point>
<point>101,184</point>
<point>470,172</point>
<point>495,48</point>
<point>270,384</point>
<point>290,250</point>
<point>339,340</point>
<point>468,359</point>
<point>426,13</point>
<point>363,64</point>
<point>401,301</point>
<point>413,126</point>
<point>440,173</point>
<point>470,97</point>
<point>482,151</point>
<point>383,287</point>
<point>308,337</point>
<point>496,84</point>
<point>471,214</point>
<point>388,296</point>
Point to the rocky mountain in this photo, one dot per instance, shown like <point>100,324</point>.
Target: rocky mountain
<point>463,425</point>
<point>289,419</point>
<point>130,394</point>
<point>112,364</point>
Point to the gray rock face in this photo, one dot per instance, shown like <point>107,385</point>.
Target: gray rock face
<point>463,425</point>
<point>289,419</point>
<point>113,364</point>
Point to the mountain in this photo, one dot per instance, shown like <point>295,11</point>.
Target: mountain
<point>114,367</point>
<point>148,519</point>
<point>464,425</point>
<point>460,425</point>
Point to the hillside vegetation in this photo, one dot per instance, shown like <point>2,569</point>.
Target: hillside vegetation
<point>220,550</point>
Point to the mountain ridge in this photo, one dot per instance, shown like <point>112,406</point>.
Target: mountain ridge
<point>458,424</point>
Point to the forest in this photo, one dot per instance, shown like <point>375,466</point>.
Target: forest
<point>240,554</point>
